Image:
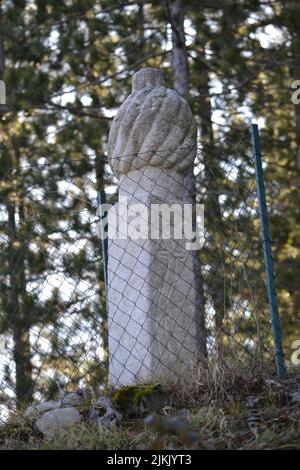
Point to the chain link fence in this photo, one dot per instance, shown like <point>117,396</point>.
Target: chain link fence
<point>53,306</point>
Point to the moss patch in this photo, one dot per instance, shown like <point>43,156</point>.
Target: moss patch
<point>138,400</point>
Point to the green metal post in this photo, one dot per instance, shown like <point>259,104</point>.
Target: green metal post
<point>268,259</point>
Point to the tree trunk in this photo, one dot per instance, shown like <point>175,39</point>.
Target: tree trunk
<point>2,56</point>
<point>179,53</point>
<point>212,202</point>
<point>297,121</point>
<point>180,68</point>
<point>291,20</point>
<point>20,321</point>
<point>295,72</point>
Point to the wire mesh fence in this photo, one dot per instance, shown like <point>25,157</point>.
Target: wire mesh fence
<point>238,319</point>
<point>55,329</point>
<point>52,307</point>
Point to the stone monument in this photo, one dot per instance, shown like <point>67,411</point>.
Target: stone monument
<point>151,286</point>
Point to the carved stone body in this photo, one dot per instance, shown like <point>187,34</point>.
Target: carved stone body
<point>151,291</point>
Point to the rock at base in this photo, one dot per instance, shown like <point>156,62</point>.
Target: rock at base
<point>54,421</point>
<point>34,411</point>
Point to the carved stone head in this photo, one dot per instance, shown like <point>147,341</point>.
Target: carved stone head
<point>153,127</point>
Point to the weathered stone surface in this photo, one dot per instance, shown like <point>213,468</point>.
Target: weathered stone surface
<point>68,399</point>
<point>56,420</point>
<point>153,127</point>
<point>109,416</point>
<point>36,410</point>
<point>74,398</point>
<point>151,287</point>
<point>295,397</point>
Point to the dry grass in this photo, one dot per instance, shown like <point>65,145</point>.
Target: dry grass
<point>226,409</point>
<point>215,383</point>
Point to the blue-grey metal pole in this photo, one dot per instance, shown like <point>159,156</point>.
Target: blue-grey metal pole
<point>268,259</point>
<point>104,240</point>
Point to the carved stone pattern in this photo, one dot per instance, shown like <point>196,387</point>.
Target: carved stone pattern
<point>153,127</point>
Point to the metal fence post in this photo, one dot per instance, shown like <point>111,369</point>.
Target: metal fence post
<point>268,259</point>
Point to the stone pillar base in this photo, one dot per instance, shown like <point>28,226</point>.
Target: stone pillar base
<point>151,293</point>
